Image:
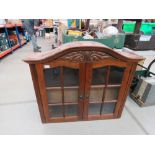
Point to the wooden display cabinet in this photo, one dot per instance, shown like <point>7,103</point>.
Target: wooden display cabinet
<point>81,81</point>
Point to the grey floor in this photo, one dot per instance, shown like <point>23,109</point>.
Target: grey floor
<point>19,112</point>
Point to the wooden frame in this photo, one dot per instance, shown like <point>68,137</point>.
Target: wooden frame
<point>90,60</point>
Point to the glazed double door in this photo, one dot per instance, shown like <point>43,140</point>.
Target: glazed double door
<point>83,91</point>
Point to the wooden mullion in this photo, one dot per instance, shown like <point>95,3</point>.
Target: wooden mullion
<point>58,88</point>
<point>62,89</point>
<point>103,86</point>
<point>75,103</point>
<point>110,101</point>
<point>68,103</point>
<point>76,87</point>
<point>81,92</point>
<point>104,92</point>
<point>88,81</point>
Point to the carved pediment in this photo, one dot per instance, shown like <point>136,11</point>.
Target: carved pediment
<point>85,56</point>
<point>84,51</point>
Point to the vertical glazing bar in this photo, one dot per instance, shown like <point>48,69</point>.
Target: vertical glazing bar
<point>62,89</point>
<point>104,91</point>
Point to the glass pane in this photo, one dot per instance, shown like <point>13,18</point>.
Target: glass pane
<point>71,77</point>
<point>54,96</point>
<point>108,108</point>
<point>94,109</point>
<point>99,76</point>
<point>116,75</point>
<point>55,111</point>
<point>96,95</point>
<point>52,77</point>
<point>112,93</point>
<point>71,110</point>
<point>71,95</point>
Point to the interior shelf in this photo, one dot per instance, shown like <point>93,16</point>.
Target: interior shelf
<point>61,111</point>
<point>57,88</point>
<point>110,101</point>
<point>76,87</point>
<point>55,104</point>
<point>71,103</point>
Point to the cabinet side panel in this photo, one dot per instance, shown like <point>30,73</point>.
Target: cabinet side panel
<point>129,73</point>
<point>37,91</point>
<point>42,88</point>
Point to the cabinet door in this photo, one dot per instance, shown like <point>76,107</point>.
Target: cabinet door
<point>63,91</point>
<point>102,89</point>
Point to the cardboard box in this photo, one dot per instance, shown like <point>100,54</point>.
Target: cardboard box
<point>144,92</point>
<point>14,21</point>
<point>48,23</point>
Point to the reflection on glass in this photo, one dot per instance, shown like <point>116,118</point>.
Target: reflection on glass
<point>99,76</point>
<point>68,78</point>
<point>71,110</point>
<point>111,93</point>
<point>71,95</point>
<point>55,111</point>
<point>108,108</point>
<point>52,77</point>
<point>71,77</point>
<point>96,95</point>
<point>54,96</point>
<point>94,109</point>
<point>116,75</point>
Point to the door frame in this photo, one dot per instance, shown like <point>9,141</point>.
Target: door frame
<point>124,83</point>
<point>44,98</point>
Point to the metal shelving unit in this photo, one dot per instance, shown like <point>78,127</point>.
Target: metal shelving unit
<point>5,29</point>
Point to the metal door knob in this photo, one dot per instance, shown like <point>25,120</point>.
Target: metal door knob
<point>81,97</point>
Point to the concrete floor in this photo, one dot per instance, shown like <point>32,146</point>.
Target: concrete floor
<point>19,112</point>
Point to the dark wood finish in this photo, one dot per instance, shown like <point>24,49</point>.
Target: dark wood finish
<point>81,90</point>
<point>44,100</point>
<point>105,89</point>
<point>84,46</point>
<point>72,103</point>
<point>132,70</point>
<point>110,62</point>
<point>122,90</point>
<point>62,89</point>
<point>63,63</point>
<point>87,88</point>
<point>98,117</point>
<point>78,60</point>
<point>37,91</point>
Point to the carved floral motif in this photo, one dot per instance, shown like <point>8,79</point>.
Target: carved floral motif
<point>85,56</point>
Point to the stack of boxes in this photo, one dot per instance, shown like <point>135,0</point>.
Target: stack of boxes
<point>3,42</point>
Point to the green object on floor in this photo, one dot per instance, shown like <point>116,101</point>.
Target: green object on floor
<point>145,27</point>
<point>113,41</point>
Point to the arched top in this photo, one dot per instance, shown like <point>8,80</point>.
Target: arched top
<point>80,51</point>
